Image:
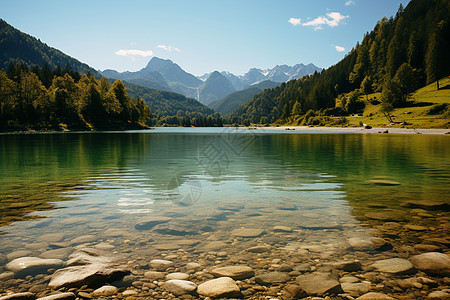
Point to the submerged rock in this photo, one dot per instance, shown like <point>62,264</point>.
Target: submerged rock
<point>177,275</point>
<point>372,243</point>
<point>433,263</point>
<point>247,232</point>
<point>272,278</point>
<point>426,204</point>
<point>319,283</point>
<point>259,249</point>
<point>394,266</point>
<point>179,287</point>
<point>383,182</point>
<point>151,222</point>
<point>375,296</point>
<point>106,290</point>
<point>355,288</point>
<point>388,215</point>
<point>160,264</point>
<point>19,296</point>
<point>235,272</point>
<point>24,266</point>
<point>219,287</point>
<point>60,296</point>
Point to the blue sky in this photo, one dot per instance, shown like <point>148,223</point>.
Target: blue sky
<point>200,35</point>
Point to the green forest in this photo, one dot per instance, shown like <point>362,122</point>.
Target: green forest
<point>64,99</point>
<point>401,54</point>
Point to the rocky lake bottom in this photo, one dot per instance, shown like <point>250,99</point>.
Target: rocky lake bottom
<point>251,251</point>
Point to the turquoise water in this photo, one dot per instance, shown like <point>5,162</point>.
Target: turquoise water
<point>209,181</point>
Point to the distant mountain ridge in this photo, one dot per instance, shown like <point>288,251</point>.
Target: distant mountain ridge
<point>166,75</point>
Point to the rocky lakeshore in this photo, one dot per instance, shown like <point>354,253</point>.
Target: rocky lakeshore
<point>237,252</point>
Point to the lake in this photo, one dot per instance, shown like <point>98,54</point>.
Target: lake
<point>219,196</point>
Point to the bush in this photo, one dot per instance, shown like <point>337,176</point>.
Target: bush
<point>437,109</point>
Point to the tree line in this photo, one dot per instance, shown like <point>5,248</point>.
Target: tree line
<point>401,54</point>
<point>42,98</point>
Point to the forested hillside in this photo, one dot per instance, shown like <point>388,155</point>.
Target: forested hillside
<point>400,55</point>
<point>81,102</point>
<point>18,48</point>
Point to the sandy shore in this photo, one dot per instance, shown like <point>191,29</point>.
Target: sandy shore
<point>360,130</point>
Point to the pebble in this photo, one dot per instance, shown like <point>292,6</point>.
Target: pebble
<point>177,275</point>
<point>375,296</point>
<point>106,290</point>
<point>153,275</point>
<point>128,293</point>
<point>160,264</point>
<point>364,244</point>
<point>60,296</point>
<point>179,287</point>
<point>193,266</point>
<point>282,229</point>
<point>247,232</point>
<point>355,289</point>
<point>19,296</point>
<point>394,266</point>
<point>219,287</point>
<point>319,283</point>
<point>272,278</point>
<point>235,272</point>
<point>259,249</point>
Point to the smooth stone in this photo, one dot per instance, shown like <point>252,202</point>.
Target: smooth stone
<point>52,237</point>
<point>17,254</point>
<point>193,266</point>
<point>177,275</point>
<point>36,246</point>
<point>282,229</point>
<point>355,289</point>
<point>348,279</point>
<point>383,182</point>
<point>153,275</point>
<point>106,290</point>
<point>372,243</point>
<point>93,275</point>
<point>389,216</point>
<point>104,246</point>
<point>319,283</point>
<point>375,296</point>
<point>6,275</point>
<point>438,295</point>
<point>86,256</point>
<point>19,296</point>
<point>394,266</point>
<point>84,239</point>
<point>426,248</point>
<point>165,247</point>
<point>160,264</point>
<point>24,266</point>
<point>425,204</point>
<point>60,296</point>
<point>272,278</point>
<point>179,287</point>
<point>216,245</point>
<point>247,232</point>
<point>348,266</point>
<point>61,253</point>
<point>129,293</point>
<point>151,222</point>
<point>295,291</point>
<point>235,272</point>
<point>259,249</point>
<point>219,287</point>
<point>432,263</point>
<point>415,227</point>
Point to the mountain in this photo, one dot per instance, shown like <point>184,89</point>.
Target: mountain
<point>172,72</point>
<point>166,107</point>
<point>280,73</point>
<point>214,88</point>
<point>400,55</point>
<point>20,48</point>
<point>231,102</point>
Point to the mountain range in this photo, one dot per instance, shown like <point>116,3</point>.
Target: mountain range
<point>164,74</point>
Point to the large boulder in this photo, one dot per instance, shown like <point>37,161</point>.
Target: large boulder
<point>25,266</point>
<point>432,263</point>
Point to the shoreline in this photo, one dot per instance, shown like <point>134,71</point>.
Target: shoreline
<point>323,129</point>
<point>439,131</point>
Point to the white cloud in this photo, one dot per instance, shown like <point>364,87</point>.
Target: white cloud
<point>332,19</point>
<point>169,48</point>
<point>295,21</point>
<point>350,2</point>
<point>339,48</point>
<point>133,52</point>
